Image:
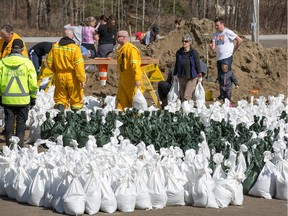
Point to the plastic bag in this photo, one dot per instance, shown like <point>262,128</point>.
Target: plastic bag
<point>199,93</point>
<point>139,101</point>
<point>173,94</point>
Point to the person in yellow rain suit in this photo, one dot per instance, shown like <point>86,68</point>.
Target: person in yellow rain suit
<point>130,78</point>
<point>66,61</point>
<point>7,38</point>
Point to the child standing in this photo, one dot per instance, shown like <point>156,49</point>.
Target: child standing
<point>225,79</point>
<point>89,36</point>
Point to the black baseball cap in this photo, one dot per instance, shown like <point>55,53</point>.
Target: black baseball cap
<point>17,44</point>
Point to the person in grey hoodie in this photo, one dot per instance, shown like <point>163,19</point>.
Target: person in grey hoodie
<point>225,79</point>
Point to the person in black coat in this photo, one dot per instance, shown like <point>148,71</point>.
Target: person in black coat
<point>37,52</point>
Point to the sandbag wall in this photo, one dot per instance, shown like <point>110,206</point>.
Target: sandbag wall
<point>204,157</point>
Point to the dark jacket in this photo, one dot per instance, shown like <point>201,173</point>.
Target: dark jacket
<point>194,63</point>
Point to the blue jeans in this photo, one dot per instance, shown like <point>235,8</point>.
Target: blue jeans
<point>228,60</point>
<point>105,49</point>
<point>35,60</point>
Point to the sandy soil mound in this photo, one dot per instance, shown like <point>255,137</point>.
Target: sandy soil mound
<point>255,67</point>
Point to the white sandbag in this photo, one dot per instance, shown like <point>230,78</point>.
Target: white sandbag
<point>222,194</point>
<point>139,101</point>
<point>93,195</point>
<point>74,199</point>
<point>143,200</point>
<point>199,94</point>
<point>173,94</point>
<point>281,180</point>
<point>188,197</point>
<point>37,189</point>
<point>235,178</point>
<point>9,178</point>
<point>218,174</point>
<point>34,126</point>
<point>108,201</point>
<point>265,186</point>
<point>157,190</point>
<point>3,166</point>
<point>21,186</point>
<point>235,186</point>
<point>175,192</point>
<point>125,194</point>
<point>58,196</point>
<point>202,192</point>
<point>53,180</point>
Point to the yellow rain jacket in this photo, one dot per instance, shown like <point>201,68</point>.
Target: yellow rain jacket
<point>8,48</point>
<point>18,80</point>
<point>66,61</point>
<point>129,63</point>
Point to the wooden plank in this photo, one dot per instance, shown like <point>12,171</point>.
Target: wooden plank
<point>95,61</point>
<point>100,61</point>
<point>144,61</point>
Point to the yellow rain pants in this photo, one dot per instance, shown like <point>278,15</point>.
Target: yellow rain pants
<point>68,66</point>
<point>129,62</point>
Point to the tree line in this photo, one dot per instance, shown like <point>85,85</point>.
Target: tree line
<point>52,15</point>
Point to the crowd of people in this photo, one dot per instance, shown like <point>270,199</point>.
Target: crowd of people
<point>19,68</point>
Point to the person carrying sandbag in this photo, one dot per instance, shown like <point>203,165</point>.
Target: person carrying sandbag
<point>187,68</point>
<point>130,79</point>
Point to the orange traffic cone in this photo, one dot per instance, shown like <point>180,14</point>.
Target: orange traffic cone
<point>103,73</point>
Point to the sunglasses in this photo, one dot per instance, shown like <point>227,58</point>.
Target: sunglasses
<point>185,41</point>
<point>118,36</point>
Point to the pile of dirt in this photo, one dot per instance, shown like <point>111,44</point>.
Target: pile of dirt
<point>259,69</point>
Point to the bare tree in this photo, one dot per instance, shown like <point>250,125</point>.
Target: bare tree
<point>136,25</point>
<point>102,6</point>
<point>143,16</point>
<point>159,12</point>
<point>29,12</point>
<point>118,13</point>
<point>47,13</point>
<point>14,14</point>
<point>76,10</point>
<point>112,8</point>
<point>284,14</point>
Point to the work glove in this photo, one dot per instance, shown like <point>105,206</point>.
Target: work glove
<point>200,77</point>
<point>32,102</point>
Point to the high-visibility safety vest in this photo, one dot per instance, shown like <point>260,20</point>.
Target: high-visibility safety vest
<point>18,80</point>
